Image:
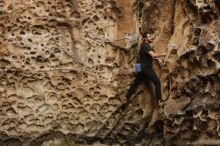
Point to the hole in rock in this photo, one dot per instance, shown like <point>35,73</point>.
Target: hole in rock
<point>98,87</point>
<point>22,33</point>
<point>210,47</point>
<point>96,18</point>
<point>56,50</point>
<point>12,142</point>
<point>76,15</point>
<point>14,57</point>
<point>210,63</point>
<point>47,52</point>
<point>41,59</point>
<point>28,48</point>
<point>37,33</point>
<point>217,56</point>
<point>11,111</point>
<point>96,93</point>
<point>90,61</point>
<point>27,62</point>
<point>64,24</point>
<point>99,7</point>
<point>85,21</point>
<point>32,53</point>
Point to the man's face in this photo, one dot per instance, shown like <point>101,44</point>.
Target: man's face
<point>149,38</point>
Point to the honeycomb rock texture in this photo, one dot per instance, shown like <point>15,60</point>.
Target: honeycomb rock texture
<point>66,66</point>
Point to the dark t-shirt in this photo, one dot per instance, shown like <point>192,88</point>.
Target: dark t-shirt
<point>145,59</point>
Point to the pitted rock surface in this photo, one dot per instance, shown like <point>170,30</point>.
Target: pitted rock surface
<point>65,68</point>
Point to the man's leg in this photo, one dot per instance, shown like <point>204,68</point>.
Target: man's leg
<point>151,75</point>
<point>134,85</point>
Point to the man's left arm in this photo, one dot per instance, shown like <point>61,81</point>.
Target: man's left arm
<point>156,55</point>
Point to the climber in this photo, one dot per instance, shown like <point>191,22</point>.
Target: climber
<point>146,56</point>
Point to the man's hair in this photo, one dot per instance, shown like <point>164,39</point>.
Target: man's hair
<point>144,34</point>
<point>147,32</point>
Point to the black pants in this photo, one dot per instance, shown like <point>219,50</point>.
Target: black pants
<point>149,74</point>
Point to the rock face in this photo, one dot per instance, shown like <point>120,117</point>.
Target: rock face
<point>65,67</point>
